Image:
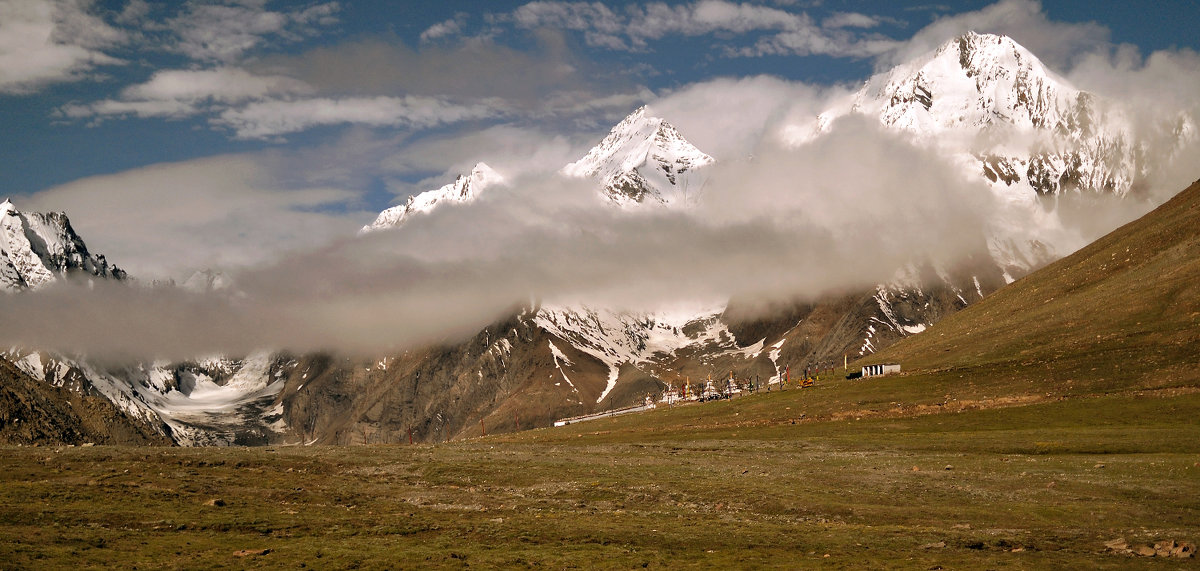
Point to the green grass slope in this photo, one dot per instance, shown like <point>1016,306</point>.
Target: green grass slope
<point>1121,314</point>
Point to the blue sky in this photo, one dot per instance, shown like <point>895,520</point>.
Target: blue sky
<point>181,135</point>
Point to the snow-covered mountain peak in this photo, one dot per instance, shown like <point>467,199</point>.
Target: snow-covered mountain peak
<point>465,188</point>
<point>207,280</point>
<point>973,82</point>
<point>38,249</point>
<point>988,104</point>
<point>643,156</point>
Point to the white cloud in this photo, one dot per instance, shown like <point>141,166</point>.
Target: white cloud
<point>1166,78</point>
<point>1159,92</point>
<point>781,225</point>
<point>227,84</point>
<point>134,12</point>
<point>266,119</point>
<point>633,28</point>
<point>143,109</point>
<point>162,220</point>
<point>49,41</point>
<point>709,16</point>
<point>449,27</point>
<point>180,93</point>
<point>850,20</point>
<point>601,25</point>
<point>224,31</point>
<point>353,85</point>
<point>728,118</point>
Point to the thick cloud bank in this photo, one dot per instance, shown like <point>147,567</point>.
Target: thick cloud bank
<point>841,213</point>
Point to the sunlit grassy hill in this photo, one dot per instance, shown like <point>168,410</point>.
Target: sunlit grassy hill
<point>1122,313</point>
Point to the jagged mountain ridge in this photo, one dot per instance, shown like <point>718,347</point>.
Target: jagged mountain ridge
<point>464,189</point>
<point>39,249</point>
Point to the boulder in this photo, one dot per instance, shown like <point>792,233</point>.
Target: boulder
<point>1119,544</point>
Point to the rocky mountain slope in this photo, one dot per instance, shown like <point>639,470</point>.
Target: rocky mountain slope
<point>548,361</point>
<point>34,412</point>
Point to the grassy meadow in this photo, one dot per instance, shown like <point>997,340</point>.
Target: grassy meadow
<point>824,476</point>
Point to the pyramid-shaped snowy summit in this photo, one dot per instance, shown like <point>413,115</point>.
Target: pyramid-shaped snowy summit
<point>644,159</point>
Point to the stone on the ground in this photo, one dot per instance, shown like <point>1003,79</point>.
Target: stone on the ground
<point>1118,544</point>
<point>1185,550</point>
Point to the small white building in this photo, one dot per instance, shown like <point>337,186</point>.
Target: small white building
<point>879,370</point>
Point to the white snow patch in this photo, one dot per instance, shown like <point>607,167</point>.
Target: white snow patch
<point>31,364</point>
<point>749,352</point>
<point>559,359</point>
<point>613,372</point>
<point>773,355</point>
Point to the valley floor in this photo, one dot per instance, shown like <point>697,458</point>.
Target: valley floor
<point>819,477</point>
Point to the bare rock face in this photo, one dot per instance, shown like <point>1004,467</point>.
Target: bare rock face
<point>33,412</point>
<point>504,377</point>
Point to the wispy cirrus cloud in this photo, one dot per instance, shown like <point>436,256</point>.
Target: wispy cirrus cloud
<point>264,119</point>
<point>226,84</point>
<point>634,27</point>
<point>45,41</point>
<point>181,93</point>
<point>144,109</point>
<point>376,82</point>
<point>224,31</point>
<point>851,20</point>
